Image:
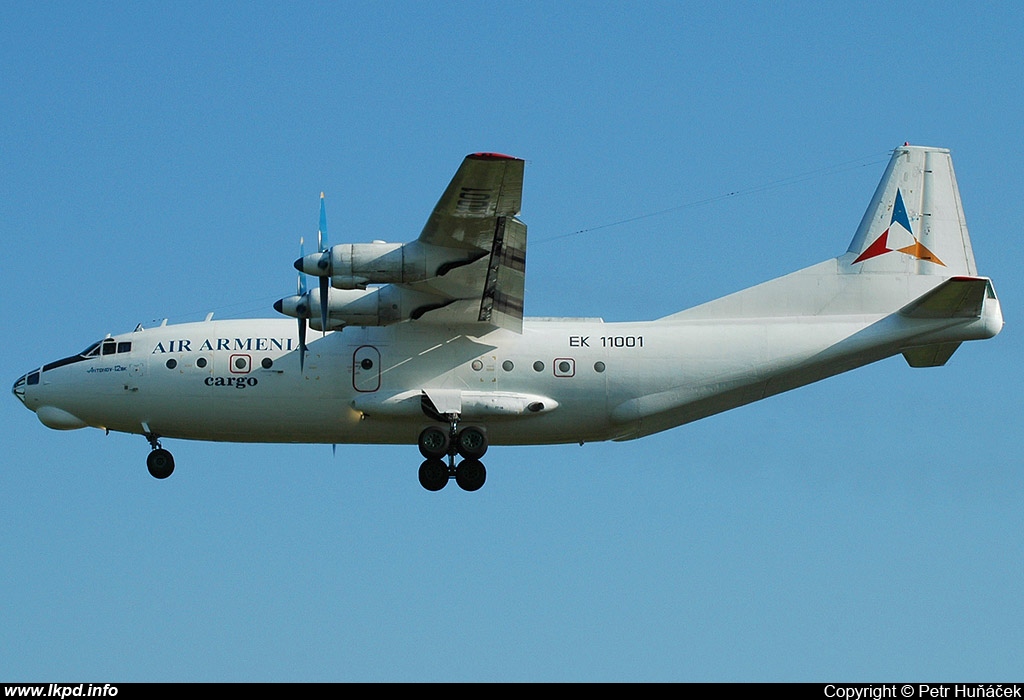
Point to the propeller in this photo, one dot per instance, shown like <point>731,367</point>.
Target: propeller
<point>304,306</point>
<point>298,306</point>
<point>323,264</point>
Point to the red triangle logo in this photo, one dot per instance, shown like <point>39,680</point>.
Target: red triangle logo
<point>875,249</point>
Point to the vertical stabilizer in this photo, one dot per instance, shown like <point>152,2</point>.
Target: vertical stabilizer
<point>915,223</point>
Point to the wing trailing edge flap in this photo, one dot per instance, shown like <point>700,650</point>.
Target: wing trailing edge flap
<point>477,213</point>
<point>501,303</point>
<point>494,297</point>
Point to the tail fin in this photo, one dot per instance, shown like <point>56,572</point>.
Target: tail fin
<point>915,223</point>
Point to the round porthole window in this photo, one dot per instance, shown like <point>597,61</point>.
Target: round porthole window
<point>507,365</point>
<point>201,362</point>
<point>599,366</point>
<point>172,363</point>
<point>477,365</point>
<point>267,363</point>
<point>367,363</point>
<point>538,366</point>
<point>564,367</point>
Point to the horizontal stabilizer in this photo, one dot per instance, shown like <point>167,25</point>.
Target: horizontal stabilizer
<point>930,355</point>
<point>957,297</point>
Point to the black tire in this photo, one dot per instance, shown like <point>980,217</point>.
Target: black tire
<point>160,463</point>
<point>470,475</point>
<point>433,442</point>
<point>433,474</point>
<point>472,442</point>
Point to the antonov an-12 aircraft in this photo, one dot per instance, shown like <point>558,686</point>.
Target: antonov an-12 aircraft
<point>425,342</point>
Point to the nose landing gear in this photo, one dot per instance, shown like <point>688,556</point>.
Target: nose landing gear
<point>160,462</point>
<point>435,443</point>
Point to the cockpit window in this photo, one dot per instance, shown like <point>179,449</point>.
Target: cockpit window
<point>104,347</point>
<point>108,346</point>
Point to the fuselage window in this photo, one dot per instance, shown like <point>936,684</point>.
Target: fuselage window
<point>109,347</point>
<point>507,365</point>
<point>172,363</point>
<point>267,363</point>
<point>201,362</point>
<point>538,366</point>
<point>124,346</point>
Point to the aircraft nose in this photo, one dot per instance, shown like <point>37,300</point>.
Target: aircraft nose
<point>25,381</point>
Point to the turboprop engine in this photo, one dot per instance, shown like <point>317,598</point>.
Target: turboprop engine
<point>355,265</point>
<point>377,306</point>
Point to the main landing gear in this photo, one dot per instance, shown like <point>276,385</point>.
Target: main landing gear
<point>435,443</point>
<point>160,462</point>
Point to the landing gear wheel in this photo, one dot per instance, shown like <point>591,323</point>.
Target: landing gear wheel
<point>472,442</point>
<point>470,474</point>
<point>433,474</point>
<point>433,442</point>
<point>160,463</point>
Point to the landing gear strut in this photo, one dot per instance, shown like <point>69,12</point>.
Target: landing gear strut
<point>435,443</point>
<point>160,462</point>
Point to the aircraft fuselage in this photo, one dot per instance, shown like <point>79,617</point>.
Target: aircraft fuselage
<point>560,381</point>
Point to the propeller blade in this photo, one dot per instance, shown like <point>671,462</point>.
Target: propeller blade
<point>324,292</point>
<point>321,234</point>
<point>302,320</point>
<point>323,264</point>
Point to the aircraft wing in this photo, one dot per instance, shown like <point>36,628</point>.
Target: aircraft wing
<point>475,219</point>
<point>486,188</point>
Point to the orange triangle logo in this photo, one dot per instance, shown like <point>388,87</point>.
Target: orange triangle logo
<point>921,253</point>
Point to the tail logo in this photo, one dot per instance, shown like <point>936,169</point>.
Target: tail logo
<point>880,246</point>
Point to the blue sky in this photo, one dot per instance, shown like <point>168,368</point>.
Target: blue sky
<point>163,161</point>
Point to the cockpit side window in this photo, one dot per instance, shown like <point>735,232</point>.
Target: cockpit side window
<point>90,352</point>
<point>105,347</point>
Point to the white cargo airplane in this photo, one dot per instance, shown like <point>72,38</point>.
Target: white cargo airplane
<point>426,342</point>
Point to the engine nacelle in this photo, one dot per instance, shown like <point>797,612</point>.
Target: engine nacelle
<point>377,306</point>
<point>355,265</point>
